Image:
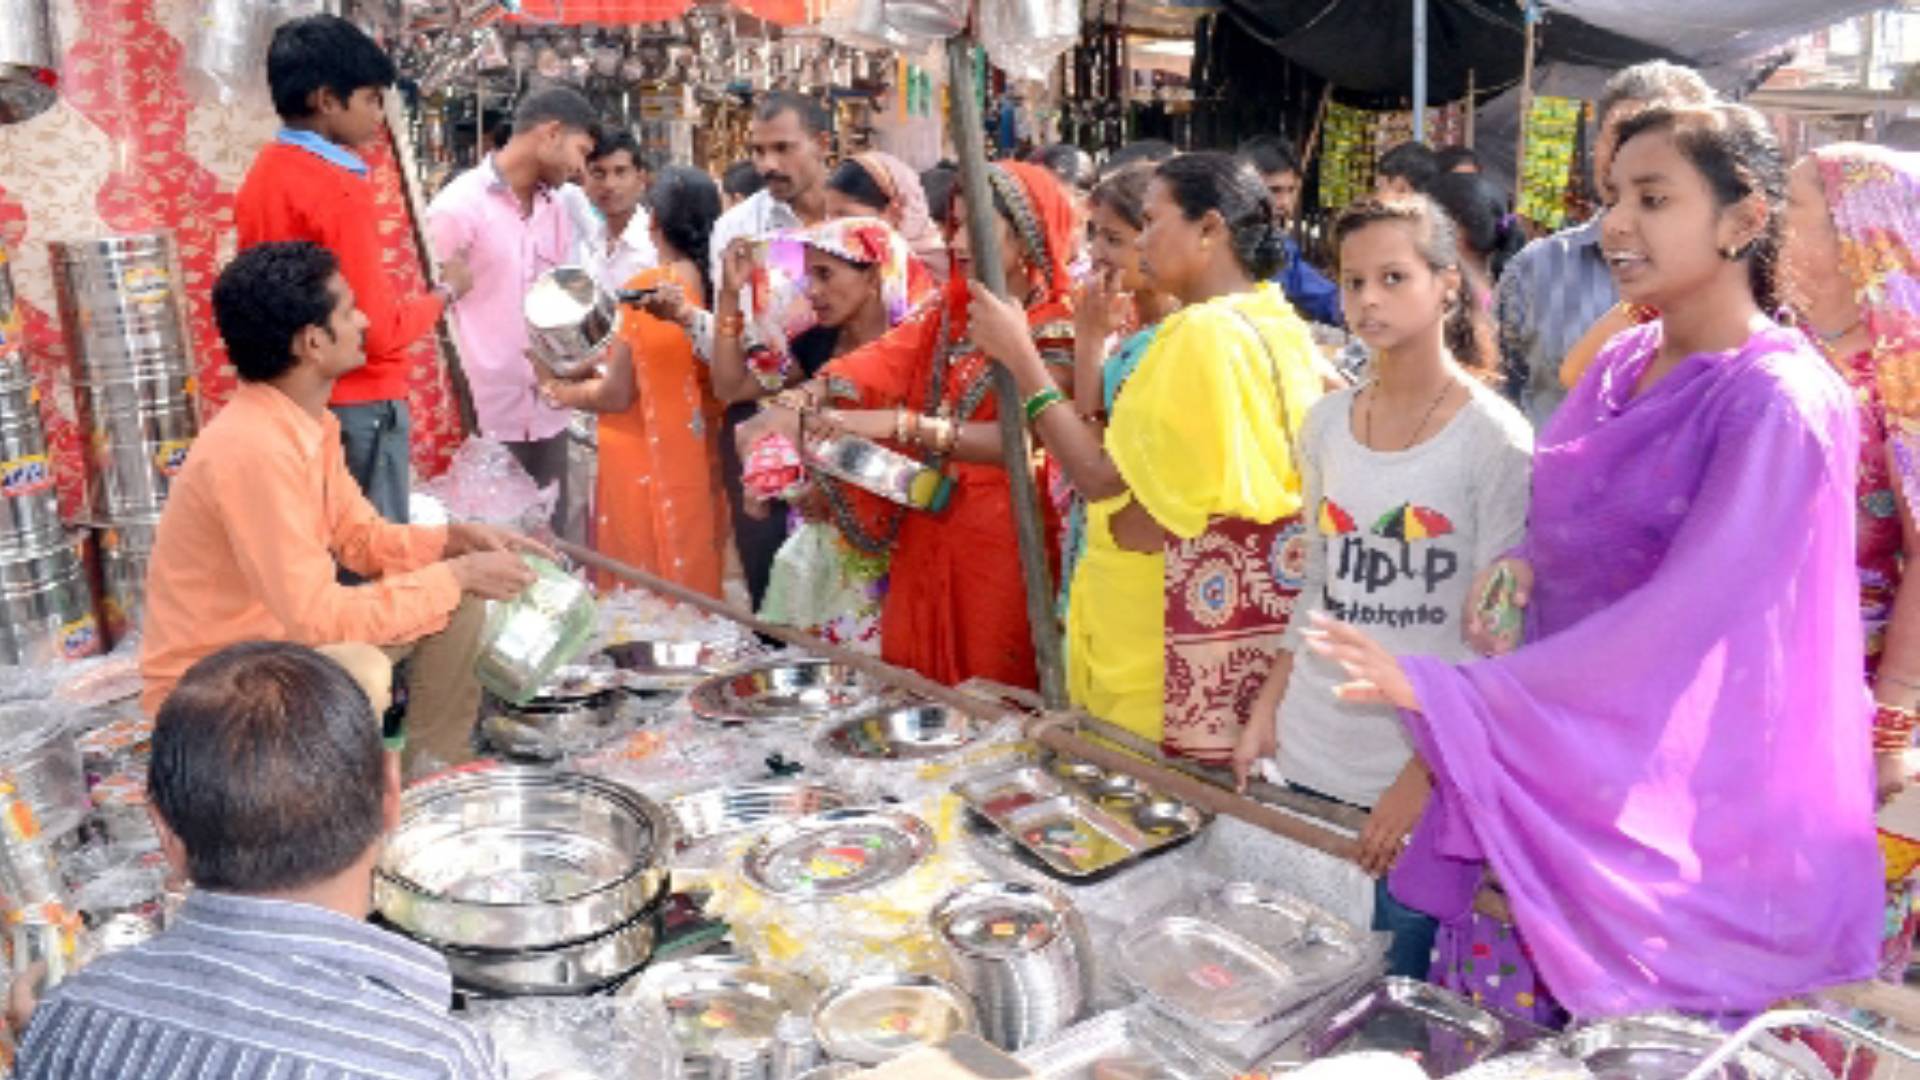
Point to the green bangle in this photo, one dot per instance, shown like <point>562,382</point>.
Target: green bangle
<point>1042,401</point>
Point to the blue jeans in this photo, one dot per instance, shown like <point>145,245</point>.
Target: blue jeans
<point>1411,952</point>
<point>375,437</point>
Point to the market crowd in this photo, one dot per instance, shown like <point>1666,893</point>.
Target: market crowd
<point>1578,569</point>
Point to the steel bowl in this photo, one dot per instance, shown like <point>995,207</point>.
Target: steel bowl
<point>580,967</point>
<point>569,319</point>
<point>783,690</point>
<point>708,998</point>
<point>506,858</point>
<point>898,734</point>
<point>667,659</point>
<point>548,729</point>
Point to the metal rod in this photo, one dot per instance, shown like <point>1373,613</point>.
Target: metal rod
<point>1419,70</point>
<point>969,136</point>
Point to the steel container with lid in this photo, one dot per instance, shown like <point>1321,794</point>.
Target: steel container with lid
<point>1021,953</point>
<point>120,296</point>
<point>138,433</point>
<point>29,507</point>
<point>29,61</point>
<point>125,549</point>
<point>46,604</point>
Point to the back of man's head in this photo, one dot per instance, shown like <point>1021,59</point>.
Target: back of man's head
<point>1656,82</point>
<point>268,767</point>
<point>322,52</point>
<point>1412,162</point>
<point>1150,151</point>
<point>265,296</point>
<point>556,103</point>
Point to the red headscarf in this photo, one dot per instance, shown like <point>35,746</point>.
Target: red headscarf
<point>1031,198</point>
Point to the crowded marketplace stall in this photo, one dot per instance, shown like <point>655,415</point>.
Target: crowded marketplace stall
<point>802,539</point>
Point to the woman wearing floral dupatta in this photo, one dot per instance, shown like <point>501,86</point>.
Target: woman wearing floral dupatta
<point>1853,271</point>
<point>956,601</point>
<point>1670,776</point>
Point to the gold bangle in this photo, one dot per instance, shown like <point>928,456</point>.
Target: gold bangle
<point>900,424</point>
<point>949,436</point>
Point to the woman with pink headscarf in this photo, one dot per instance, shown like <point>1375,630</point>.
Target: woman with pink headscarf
<point>876,184</point>
<point>1853,279</point>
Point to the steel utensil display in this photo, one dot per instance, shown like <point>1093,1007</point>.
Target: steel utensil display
<point>781,690</point>
<point>508,858</point>
<point>579,712</point>
<point>41,756</point>
<point>29,508</point>
<point>1021,953</point>
<point>1123,1045</point>
<point>723,811</point>
<point>902,733</point>
<point>46,605</point>
<point>874,468</point>
<point>708,998</point>
<point>1441,1031</point>
<point>837,852</point>
<point>29,62</point>
<point>569,319</point>
<point>667,660</point>
<point>1665,1047</point>
<point>877,1018</point>
<point>124,550</point>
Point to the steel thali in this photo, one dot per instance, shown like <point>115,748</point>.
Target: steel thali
<point>838,852</point>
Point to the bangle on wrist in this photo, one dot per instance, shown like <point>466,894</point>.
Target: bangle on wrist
<point>900,424</point>
<point>1040,402</point>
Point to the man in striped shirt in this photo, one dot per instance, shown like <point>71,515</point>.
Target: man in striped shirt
<point>271,792</point>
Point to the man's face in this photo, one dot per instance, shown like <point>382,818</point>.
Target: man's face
<point>790,160</point>
<point>562,153</point>
<point>339,346</point>
<point>1284,186</point>
<point>615,184</point>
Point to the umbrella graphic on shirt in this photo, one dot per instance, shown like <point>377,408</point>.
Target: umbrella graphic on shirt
<point>1335,521</point>
<point>1411,522</point>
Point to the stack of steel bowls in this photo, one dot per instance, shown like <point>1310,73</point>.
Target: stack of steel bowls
<point>124,312</point>
<point>46,598</point>
<point>1021,954</point>
<point>528,881</point>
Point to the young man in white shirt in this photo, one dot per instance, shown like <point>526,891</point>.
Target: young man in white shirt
<point>610,211</point>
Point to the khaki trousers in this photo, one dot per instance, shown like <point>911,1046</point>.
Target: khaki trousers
<point>443,696</point>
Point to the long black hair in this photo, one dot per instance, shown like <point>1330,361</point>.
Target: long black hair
<point>1480,212</point>
<point>685,203</point>
<point>1229,185</point>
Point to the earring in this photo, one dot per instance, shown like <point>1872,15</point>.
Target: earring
<point>1734,254</point>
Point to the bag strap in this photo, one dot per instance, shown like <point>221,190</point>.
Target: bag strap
<point>1279,385</point>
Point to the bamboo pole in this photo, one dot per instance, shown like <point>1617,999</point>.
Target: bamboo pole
<point>969,137</point>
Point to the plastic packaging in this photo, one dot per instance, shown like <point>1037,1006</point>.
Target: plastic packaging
<point>1025,37</point>
<point>590,1036</point>
<point>485,484</point>
<point>530,637</point>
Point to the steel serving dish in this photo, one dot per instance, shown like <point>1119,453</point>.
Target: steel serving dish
<point>887,473</point>
<point>1060,828</point>
<point>899,733</point>
<point>723,811</point>
<point>1130,1044</point>
<point>837,852</point>
<point>500,857</point>
<point>1665,1047</point>
<point>708,998</point>
<point>578,967</point>
<point>877,1018</point>
<point>1021,953</point>
<point>1440,1031</point>
<point>570,318</point>
<point>780,690</point>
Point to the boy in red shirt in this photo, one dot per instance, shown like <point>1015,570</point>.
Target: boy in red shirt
<point>328,79</point>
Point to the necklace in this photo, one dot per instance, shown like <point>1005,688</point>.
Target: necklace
<point>1834,337</point>
<point>1366,418</point>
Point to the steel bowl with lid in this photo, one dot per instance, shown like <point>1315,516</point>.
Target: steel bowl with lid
<point>504,857</point>
<point>1022,955</point>
<point>569,318</point>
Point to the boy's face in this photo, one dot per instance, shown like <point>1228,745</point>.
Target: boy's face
<point>354,122</point>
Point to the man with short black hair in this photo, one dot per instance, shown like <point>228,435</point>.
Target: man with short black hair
<point>271,793</point>
<point>503,216</point>
<point>1307,289</point>
<point>738,184</point>
<point>328,79</point>
<point>1137,152</point>
<point>1406,169</point>
<point>610,213</point>
<point>264,514</point>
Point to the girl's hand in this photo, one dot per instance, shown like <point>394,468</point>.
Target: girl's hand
<point>669,303</point>
<point>1393,819</point>
<point>999,329</point>
<point>1259,740</point>
<point>1496,606</point>
<point>1376,676</point>
<point>736,266</point>
<point>1096,307</point>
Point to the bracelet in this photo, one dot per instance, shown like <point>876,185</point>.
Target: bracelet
<point>949,436</point>
<point>731,326</point>
<point>1893,727</point>
<point>1042,401</point>
<point>913,428</point>
<point>900,424</point>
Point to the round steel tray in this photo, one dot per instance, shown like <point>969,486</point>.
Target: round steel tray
<point>903,733</point>
<point>878,1018</point>
<point>838,852</point>
<point>713,997</point>
<point>783,690</point>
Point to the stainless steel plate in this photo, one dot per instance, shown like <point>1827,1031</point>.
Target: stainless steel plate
<point>1000,919</point>
<point>1195,971</point>
<point>668,659</point>
<point>723,811</point>
<point>786,690</point>
<point>905,733</point>
<point>838,852</point>
<point>1443,1032</point>
<point>1663,1047</point>
<point>713,997</point>
<point>878,1018</point>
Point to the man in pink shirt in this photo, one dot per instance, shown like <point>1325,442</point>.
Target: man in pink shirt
<point>503,219</point>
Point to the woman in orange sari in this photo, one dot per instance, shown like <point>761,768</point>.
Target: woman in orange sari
<point>658,504</point>
<point>956,601</point>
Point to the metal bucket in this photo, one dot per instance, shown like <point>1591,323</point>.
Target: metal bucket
<point>120,296</point>
<point>29,507</point>
<point>125,549</point>
<point>133,453</point>
<point>28,60</point>
<point>46,605</point>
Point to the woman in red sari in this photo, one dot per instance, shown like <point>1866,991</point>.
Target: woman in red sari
<point>956,601</point>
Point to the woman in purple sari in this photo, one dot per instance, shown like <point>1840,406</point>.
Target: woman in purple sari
<point>1670,778</point>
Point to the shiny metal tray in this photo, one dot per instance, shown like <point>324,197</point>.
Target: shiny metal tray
<point>901,733</point>
<point>875,1019</point>
<point>723,811</point>
<point>1442,1032</point>
<point>1318,948</point>
<point>838,852</point>
<point>1666,1047</point>
<point>782,690</point>
<point>1207,978</point>
<point>1064,827</point>
<point>709,998</point>
<point>1125,1045</point>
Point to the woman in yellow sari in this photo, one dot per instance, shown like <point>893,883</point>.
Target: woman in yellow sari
<point>1188,576</point>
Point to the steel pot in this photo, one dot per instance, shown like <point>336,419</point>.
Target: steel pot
<point>528,639</point>
<point>581,967</point>
<point>27,60</point>
<point>507,859</point>
<point>588,707</point>
<point>569,319</point>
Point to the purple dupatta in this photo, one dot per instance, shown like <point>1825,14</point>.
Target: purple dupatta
<point>1671,778</point>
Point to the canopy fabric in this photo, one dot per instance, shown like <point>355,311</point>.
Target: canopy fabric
<point>602,12</point>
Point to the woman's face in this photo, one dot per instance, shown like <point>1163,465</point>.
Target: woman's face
<point>1664,232</point>
<point>1114,245</point>
<point>842,205</point>
<point>1172,248</point>
<point>1013,253</point>
<point>1815,284</point>
<point>838,289</point>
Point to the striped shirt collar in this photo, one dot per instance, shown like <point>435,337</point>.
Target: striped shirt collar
<point>320,146</point>
<point>1586,234</point>
<point>287,928</point>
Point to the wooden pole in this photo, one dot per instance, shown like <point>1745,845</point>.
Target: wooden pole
<point>969,134</point>
<point>1531,12</point>
<point>1471,89</point>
